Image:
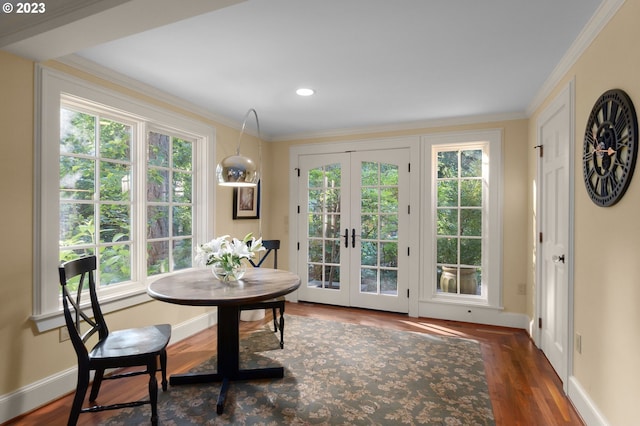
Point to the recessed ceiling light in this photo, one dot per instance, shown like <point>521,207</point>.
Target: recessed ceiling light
<point>305,92</point>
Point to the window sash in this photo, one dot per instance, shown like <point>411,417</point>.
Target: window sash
<point>51,87</point>
<point>490,141</point>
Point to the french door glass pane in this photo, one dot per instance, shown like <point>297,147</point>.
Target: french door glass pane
<point>323,226</point>
<point>379,226</point>
<point>369,226</point>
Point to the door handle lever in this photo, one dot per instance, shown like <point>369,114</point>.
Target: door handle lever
<point>353,237</point>
<point>346,237</point>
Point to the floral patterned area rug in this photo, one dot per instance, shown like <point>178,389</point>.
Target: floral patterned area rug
<point>338,374</point>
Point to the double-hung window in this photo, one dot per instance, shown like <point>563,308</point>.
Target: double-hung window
<point>463,232</point>
<point>119,179</point>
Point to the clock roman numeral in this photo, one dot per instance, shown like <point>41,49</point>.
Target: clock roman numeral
<point>624,140</point>
<point>614,116</point>
<point>604,187</point>
<point>620,124</point>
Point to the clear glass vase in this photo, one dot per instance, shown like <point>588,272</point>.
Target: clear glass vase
<point>228,273</point>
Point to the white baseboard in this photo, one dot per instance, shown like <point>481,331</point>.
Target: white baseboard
<point>472,313</point>
<point>584,405</point>
<point>43,391</point>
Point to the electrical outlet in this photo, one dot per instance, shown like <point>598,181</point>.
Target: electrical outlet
<point>64,334</point>
<point>579,343</point>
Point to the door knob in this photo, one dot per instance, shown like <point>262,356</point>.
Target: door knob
<point>557,259</point>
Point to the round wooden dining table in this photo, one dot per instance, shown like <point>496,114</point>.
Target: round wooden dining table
<point>199,287</point>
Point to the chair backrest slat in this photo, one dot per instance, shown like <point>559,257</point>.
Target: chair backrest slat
<point>270,246</point>
<point>75,316</point>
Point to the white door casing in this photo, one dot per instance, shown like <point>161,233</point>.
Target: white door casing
<point>554,269</point>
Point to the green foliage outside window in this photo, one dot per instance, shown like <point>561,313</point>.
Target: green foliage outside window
<point>96,187</point>
<point>89,174</point>
<point>459,209</point>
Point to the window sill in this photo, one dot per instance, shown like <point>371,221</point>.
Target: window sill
<point>52,320</point>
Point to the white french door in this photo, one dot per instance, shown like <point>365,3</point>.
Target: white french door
<point>353,227</point>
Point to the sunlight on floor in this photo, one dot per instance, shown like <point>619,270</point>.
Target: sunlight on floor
<point>437,329</point>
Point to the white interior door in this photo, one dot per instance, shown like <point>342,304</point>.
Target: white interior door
<point>353,223</point>
<point>554,273</point>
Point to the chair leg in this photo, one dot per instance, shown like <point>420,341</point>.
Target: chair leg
<point>282,327</point>
<point>153,390</point>
<point>81,390</point>
<point>95,388</point>
<point>163,367</point>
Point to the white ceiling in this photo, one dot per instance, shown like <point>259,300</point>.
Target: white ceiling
<point>373,63</point>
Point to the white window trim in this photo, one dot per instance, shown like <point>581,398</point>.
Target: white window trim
<point>50,86</point>
<point>492,275</point>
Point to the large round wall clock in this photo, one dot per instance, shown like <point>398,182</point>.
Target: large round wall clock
<point>610,147</point>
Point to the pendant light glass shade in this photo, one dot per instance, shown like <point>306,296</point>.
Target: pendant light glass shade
<point>238,170</point>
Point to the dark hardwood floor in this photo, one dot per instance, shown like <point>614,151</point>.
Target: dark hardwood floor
<point>524,388</point>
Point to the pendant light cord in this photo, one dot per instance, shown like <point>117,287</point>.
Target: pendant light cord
<point>244,124</point>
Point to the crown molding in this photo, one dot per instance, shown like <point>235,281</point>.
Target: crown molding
<point>407,126</point>
<point>84,65</point>
<point>604,13</point>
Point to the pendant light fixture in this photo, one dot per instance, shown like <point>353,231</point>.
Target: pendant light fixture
<point>238,170</point>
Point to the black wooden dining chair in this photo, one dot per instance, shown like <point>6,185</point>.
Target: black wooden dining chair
<point>273,304</point>
<point>135,347</point>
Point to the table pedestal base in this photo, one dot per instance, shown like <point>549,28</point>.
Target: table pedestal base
<point>228,359</point>
<point>199,378</point>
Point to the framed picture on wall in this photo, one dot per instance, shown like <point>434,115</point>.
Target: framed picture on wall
<point>246,202</point>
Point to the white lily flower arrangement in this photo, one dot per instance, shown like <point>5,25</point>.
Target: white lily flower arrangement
<point>228,252</point>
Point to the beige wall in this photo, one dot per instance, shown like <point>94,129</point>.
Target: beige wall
<point>607,240</point>
<point>16,189</point>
